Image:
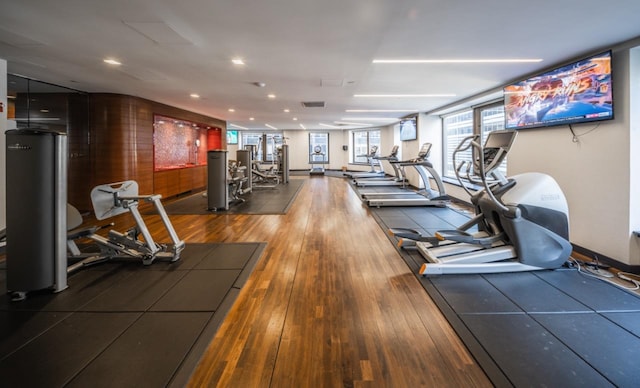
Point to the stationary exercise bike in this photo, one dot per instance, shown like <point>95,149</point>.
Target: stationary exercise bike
<point>522,222</point>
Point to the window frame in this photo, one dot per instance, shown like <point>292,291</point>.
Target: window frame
<point>326,147</point>
<point>355,150</point>
<point>477,128</point>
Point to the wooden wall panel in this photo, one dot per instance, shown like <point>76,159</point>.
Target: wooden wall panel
<point>121,137</point>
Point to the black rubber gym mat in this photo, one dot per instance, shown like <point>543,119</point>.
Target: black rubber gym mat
<point>596,294</point>
<point>259,201</point>
<point>542,328</point>
<point>123,323</point>
<point>629,321</point>
<point>198,290</point>
<point>138,358</point>
<point>607,347</point>
<point>520,286</point>
<point>529,355</point>
<point>55,356</point>
<point>486,298</point>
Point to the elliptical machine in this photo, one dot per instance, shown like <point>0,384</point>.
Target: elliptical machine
<point>522,222</point>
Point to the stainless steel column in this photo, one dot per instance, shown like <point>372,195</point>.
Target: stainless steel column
<point>244,158</point>
<point>285,163</point>
<point>217,186</point>
<point>36,210</point>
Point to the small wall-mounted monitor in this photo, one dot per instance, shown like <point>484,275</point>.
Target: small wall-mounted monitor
<point>409,129</point>
<point>232,136</point>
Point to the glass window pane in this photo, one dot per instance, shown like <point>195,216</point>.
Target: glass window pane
<point>456,127</point>
<point>360,146</point>
<point>492,119</point>
<point>321,141</point>
<point>363,141</point>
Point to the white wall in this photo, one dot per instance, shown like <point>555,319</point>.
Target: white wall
<point>593,172</point>
<point>634,155</point>
<point>599,173</point>
<point>3,128</point>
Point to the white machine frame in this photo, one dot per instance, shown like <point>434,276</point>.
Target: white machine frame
<point>113,199</point>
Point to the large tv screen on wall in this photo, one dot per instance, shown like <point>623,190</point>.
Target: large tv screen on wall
<point>575,93</point>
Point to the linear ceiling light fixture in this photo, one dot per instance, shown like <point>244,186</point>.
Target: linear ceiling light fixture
<point>349,123</point>
<point>237,126</point>
<point>371,118</point>
<point>303,127</point>
<point>506,60</point>
<point>237,61</point>
<point>328,126</point>
<point>380,110</point>
<point>112,61</point>
<point>403,95</point>
<point>270,126</point>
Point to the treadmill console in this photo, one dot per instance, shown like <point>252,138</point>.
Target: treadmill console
<point>424,151</point>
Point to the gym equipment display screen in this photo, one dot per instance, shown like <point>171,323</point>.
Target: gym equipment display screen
<point>575,93</point>
<point>408,129</point>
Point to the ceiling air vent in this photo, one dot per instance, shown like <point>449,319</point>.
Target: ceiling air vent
<point>313,104</point>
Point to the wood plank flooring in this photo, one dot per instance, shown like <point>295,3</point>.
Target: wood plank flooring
<point>330,304</point>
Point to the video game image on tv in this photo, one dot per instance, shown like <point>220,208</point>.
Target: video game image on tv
<point>574,93</point>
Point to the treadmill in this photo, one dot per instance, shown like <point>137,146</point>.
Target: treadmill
<point>423,197</point>
<point>373,173</point>
<point>398,179</point>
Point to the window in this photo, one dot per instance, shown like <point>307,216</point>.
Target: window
<point>492,119</point>
<point>459,125</point>
<point>362,143</point>
<point>455,128</point>
<point>319,147</point>
<point>264,146</point>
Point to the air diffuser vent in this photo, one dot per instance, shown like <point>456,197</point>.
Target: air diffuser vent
<point>313,104</point>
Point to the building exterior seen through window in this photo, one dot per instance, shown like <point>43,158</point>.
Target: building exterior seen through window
<point>362,143</point>
<point>319,148</point>
<point>459,125</point>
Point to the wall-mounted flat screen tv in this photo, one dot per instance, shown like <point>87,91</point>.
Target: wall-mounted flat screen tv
<point>409,129</point>
<point>575,93</point>
<point>232,136</point>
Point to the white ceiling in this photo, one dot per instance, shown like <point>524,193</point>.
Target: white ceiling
<point>303,50</point>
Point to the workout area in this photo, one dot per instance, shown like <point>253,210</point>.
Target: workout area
<point>337,194</point>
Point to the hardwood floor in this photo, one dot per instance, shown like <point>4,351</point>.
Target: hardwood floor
<point>331,303</point>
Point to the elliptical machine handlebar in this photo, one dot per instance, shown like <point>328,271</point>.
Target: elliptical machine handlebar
<point>465,144</point>
<point>490,156</point>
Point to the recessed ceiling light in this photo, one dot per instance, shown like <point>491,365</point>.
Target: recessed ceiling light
<point>44,110</point>
<point>231,110</point>
<point>286,110</point>
<point>404,95</point>
<point>506,60</point>
<point>194,95</point>
<point>251,118</point>
<point>237,61</point>
<point>112,61</point>
<point>271,96</point>
<point>295,119</point>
